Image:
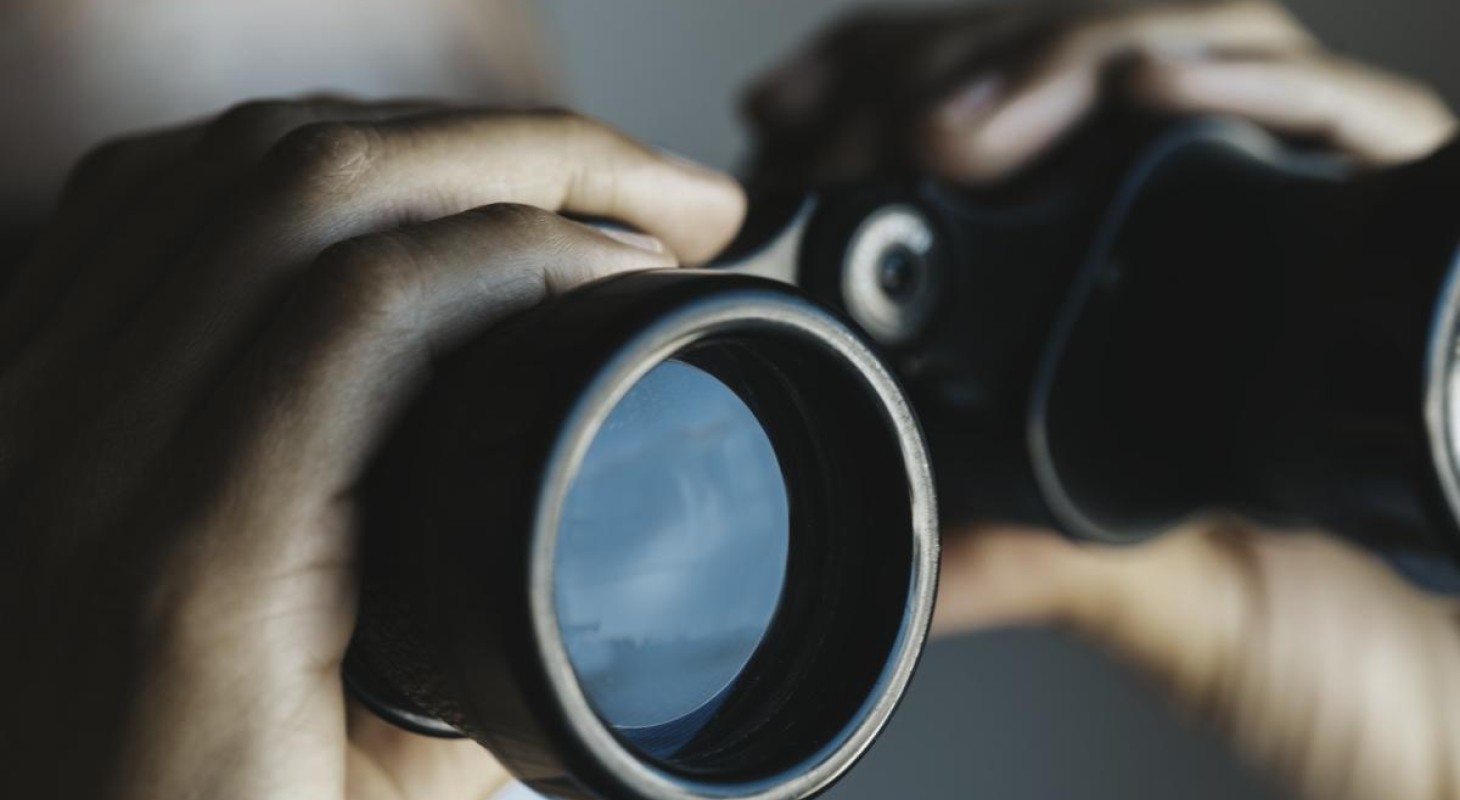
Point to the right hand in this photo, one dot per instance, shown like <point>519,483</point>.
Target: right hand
<point>974,93</point>
<point>1320,664</point>
<point>219,324</point>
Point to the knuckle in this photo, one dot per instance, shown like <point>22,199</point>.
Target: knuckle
<point>370,282</point>
<point>251,125</point>
<point>320,159</point>
<point>325,149</point>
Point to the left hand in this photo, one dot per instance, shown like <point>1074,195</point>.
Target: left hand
<point>219,324</point>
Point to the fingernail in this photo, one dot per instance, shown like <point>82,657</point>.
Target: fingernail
<point>643,241</point>
<point>973,101</point>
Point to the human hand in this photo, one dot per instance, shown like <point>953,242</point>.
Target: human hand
<point>973,94</point>
<point>1321,666</point>
<point>219,324</point>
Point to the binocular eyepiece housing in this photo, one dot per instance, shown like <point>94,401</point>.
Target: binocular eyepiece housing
<point>674,534</point>
<point>1210,320</point>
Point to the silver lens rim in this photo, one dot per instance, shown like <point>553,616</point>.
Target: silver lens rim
<point>730,312</point>
<point>1442,387</point>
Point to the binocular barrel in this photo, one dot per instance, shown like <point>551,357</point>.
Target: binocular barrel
<point>1254,332</point>
<point>675,534</point>
<point>1223,322</point>
<point>672,535</point>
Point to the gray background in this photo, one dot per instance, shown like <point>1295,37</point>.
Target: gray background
<point>1007,715</point>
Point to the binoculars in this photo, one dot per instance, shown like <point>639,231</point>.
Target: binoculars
<point>675,533</point>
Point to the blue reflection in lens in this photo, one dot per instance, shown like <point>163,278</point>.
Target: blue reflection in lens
<point>671,549</point>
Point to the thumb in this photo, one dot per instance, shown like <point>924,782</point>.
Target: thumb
<point>1296,646</point>
<point>1177,607</point>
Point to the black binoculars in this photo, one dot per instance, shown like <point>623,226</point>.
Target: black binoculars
<point>675,534</point>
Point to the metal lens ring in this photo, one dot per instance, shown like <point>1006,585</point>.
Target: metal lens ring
<point>791,718</point>
<point>1442,388</point>
<point>890,275</point>
<point>672,535</point>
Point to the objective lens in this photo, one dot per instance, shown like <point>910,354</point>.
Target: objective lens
<point>671,554</point>
<point>669,536</point>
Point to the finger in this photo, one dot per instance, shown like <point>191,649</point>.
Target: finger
<point>1378,118</point>
<point>386,762</point>
<point>1177,607</point>
<point>836,110</point>
<point>1193,609</point>
<point>126,180</point>
<point>138,204</point>
<point>993,576</point>
<point>788,95</point>
<point>882,50</point>
<point>107,179</point>
<point>421,168</point>
<point>303,412</point>
<point>327,183</point>
<point>981,134</point>
<point>137,201</point>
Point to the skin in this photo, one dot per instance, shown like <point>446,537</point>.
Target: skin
<point>1323,668</point>
<point>975,94</point>
<point>221,319</point>
<point>182,432</point>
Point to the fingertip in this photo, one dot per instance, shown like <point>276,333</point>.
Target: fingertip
<point>713,221</point>
<point>694,209</point>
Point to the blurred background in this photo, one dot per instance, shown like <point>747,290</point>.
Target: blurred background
<point>1007,715</point>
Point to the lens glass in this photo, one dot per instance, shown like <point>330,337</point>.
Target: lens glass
<point>671,550</point>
